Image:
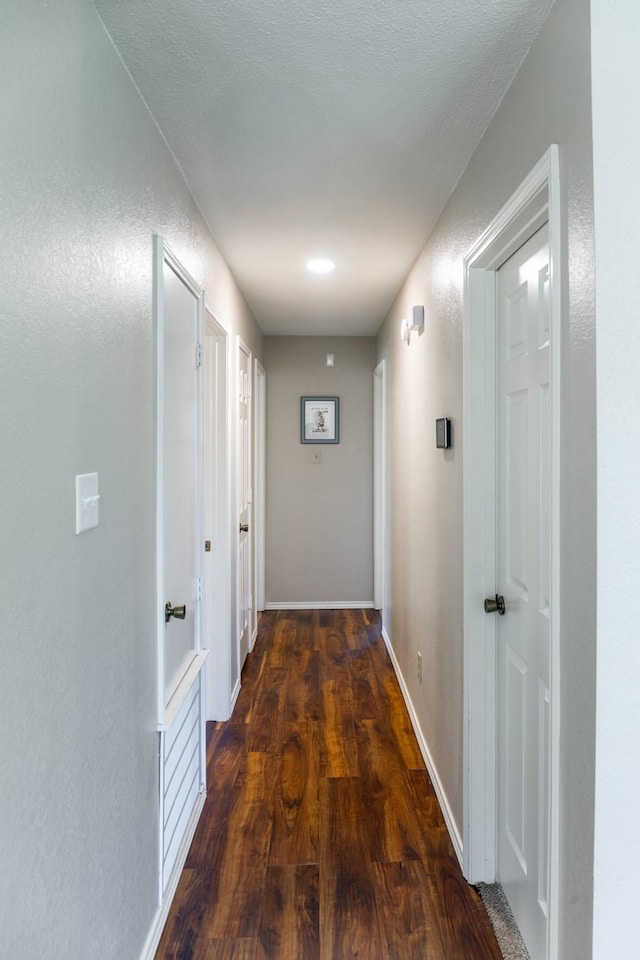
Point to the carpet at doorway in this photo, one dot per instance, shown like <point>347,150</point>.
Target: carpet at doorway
<point>504,925</point>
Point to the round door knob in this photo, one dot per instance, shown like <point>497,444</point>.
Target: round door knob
<point>495,606</point>
<point>178,612</point>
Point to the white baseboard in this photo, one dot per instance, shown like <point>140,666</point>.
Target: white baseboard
<point>234,696</point>
<point>325,605</point>
<point>454,833</point>
<point>160,918</point>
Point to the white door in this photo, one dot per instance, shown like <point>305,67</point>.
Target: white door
<point>523,578</point>
<point>219,638</point>
<point>244,501</point>
<point>260,491</point>
<point>178,309</point>
<point>180,476</point>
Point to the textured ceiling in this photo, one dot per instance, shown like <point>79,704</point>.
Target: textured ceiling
<point>334,127</point>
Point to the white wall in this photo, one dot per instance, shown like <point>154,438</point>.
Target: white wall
<point>319,536</point>
<point>616,146</point>
<point>549,101</point>
<point>86,181</point>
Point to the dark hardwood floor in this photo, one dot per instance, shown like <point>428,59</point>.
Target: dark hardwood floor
<point>321,837</point>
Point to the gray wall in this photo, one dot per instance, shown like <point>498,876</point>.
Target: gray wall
<point>549,101</point>
<point>86,180</point>
<point>319,535</point>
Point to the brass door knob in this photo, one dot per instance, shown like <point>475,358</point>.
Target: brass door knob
<point>178,612</point>
<point>495,606</point>
<point>244,528</point>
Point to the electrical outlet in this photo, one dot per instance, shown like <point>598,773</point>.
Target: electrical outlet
<point>419,667</point>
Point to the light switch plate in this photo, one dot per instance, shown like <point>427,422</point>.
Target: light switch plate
<point>316,456</point>
<point>87,500</point>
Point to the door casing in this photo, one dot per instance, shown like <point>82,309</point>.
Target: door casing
<point>537,201</point>
<point>260,393</point>
<point>243,348</point>
<point>169,712</point>
<point>217,588</point>
<point>381,538</point>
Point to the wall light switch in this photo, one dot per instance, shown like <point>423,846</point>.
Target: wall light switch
<point>87,500</point>
<point>316,456</point>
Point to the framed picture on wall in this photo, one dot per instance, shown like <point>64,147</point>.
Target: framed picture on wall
<point>319,420</point>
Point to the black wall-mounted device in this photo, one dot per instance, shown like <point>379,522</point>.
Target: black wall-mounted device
<point>443,433</point>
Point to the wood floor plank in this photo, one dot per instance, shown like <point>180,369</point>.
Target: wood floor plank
<point>407,918</point>
<point>341,754</point>
<point>233,908</point>
<point>296,799</point>
<point>184,923</point>
<point>226,759</point>
<point>334,654</point>
<point>367,704</point>
<point>265,726</point>
<point>347,829</point>
<point>237,949</point>
<point>462,919</point>
<point>397,835</point>
<point>435,840</point>
<point>303,700</point>
<point>289,924</point>
<point>282,641</point>
<point>396,710</point>
<point>349,923</point>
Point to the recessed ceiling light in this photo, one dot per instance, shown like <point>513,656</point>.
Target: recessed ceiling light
<point>321,265</point>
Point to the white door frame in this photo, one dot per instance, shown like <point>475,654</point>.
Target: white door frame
<point>169,713</point>
<point>536,202</point>
<point>218,618</point>
<point>260,488</point>
<point>244,348</point>
<point>380,492</point>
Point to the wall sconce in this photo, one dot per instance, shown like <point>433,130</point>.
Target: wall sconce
<point>415,323</point>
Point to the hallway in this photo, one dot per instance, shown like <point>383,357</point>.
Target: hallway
<point>321,836</point>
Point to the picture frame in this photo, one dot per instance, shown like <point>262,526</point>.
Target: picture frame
<point>319,420</point>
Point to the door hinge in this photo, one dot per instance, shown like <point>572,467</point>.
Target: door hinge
<point>198,588</point>
<point>250,602</point>
<point>198,354</point>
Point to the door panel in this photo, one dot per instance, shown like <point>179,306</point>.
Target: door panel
<point>516,492</point>
<point>180,474</point>
<point>244,502</point>
<point>523,405</point>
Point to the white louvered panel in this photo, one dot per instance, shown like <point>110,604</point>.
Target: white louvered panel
<point>182,745</point>
<point>171,851</point>
<point>174,786</point>
<point>182,776</point>
<point>174,731</point>
<point>174,814</point>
